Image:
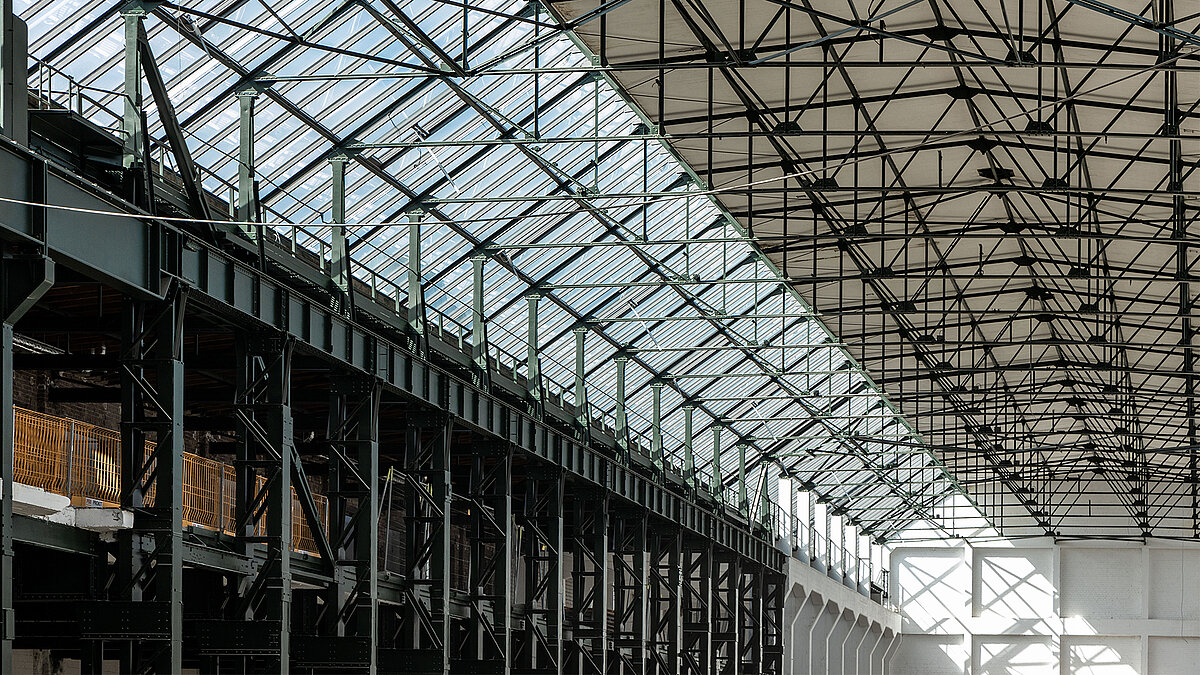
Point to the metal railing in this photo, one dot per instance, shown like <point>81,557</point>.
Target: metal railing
<point>83,462</point>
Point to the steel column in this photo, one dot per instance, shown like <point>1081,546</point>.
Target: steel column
<point>718,481</point>
<point>622,429</point>
<point>725,610</point>
<point>533,375</point>
<point>749,620</point>
<point>23,280</point>
<point>630,557</point>
<point>581,402</point>
<point>689,461</point>
<point>425,640</point>
<point>416,294</point>
<point>589,581</point>
<point>263,507</point>
<point>743,498</point>
<point>366,549</point>
<point>339,251</point>
<point>479,355</point>
<point>664,603</point>
<point>351,606</point>
<point>12,71</point>
<point>131,118</point>
<point>541,649</point>
<point>656,439</point>
<point>487,648</point>
<point>696,606</point>
<point>149,580</point>
<point>247,210</point>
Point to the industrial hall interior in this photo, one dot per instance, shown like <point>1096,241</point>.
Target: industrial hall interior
<point>599,337</point>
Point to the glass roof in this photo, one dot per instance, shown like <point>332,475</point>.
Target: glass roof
<point>516,147</point>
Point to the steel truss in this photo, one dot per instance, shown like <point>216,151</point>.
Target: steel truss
<point>366,156</point>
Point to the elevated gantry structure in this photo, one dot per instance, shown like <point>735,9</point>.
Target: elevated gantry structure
<point>505,337</point>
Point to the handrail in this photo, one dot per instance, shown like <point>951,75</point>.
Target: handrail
<point>83,461</point>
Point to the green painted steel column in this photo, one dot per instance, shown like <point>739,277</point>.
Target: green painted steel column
<point>743,498</point>
<point>581,402</point>
<point>478,323</point>
<point>416,296</point>
<point>718,480</point>
<point>533,375</point>
<point>622,430</point>
<point>764,500</point>
<point>131,118</point>
<point>339,252</point>
<point>246,211</point>
<point>689,461</point>
<point>656,439</point>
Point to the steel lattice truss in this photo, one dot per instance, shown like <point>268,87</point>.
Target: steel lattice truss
<point>989,203</point>
<point>988,206</point>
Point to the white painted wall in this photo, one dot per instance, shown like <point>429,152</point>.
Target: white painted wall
<point>833,629</point>
<point>1034,607</point>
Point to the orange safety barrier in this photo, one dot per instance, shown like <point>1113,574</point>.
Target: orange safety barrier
<point>83,461</point>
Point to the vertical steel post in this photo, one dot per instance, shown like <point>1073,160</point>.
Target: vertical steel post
<point>812,527</point>
<point>9,61</point>
<point>630,557</point>
<point>622,430</point>
<point>533,375</point>
<point>278,409</point>
<point>339,251</point>
<point>7,465</point>
<point>541,641</point>
<point>581,402</point>
<point>724,618</point>
<point>131,119</point>
<point>794,514</point>
<point>478,324</point>
<point>665,603</point>
<point>427,619</point>
<point>366,546</point>
<point>743,497</point>
<point>246,209</point>
<point>656,439</point>
<point>764,502</point>
<point>718,481</point>
<point>168,497</point>
<point>696,606</point>
<point>489,633</point>
<point>689,461</point>
<point>416,295</point>
<point>590,582</point>
<point>22,287</point>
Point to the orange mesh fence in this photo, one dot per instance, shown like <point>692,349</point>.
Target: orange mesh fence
<point>76,459</point>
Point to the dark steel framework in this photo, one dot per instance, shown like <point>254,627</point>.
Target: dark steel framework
<point>211,341</point>
<point>522,172</point>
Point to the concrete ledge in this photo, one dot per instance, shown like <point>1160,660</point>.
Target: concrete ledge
<point>103,519</point>
<point>34,501</point>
